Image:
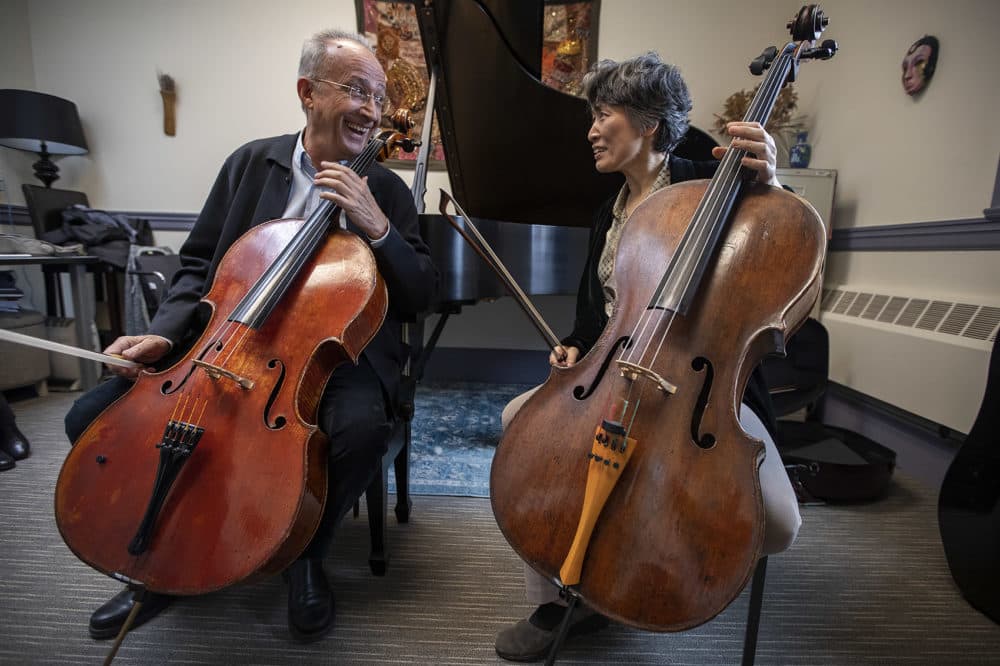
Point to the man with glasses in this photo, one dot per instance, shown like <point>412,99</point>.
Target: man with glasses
<point>341,87</point>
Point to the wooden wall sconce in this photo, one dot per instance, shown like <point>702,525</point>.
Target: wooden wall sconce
<point>168,91</point>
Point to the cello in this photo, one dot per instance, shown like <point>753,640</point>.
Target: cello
<point>626,478</point>
<point>213,470</point>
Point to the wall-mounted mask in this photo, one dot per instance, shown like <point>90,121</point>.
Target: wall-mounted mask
<point>919,64</point>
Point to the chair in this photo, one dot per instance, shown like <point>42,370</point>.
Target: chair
<point>150,271</point>
<point>396,457</point>
<point>753,614</point>
<point>696,145</point>
<point>799,380</point>
<point>794,382</point>
<point>45,206</point>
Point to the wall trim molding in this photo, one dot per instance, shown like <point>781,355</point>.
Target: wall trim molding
<point>15,215</point>
<point>164,221</point>
<point>946,235</point>
<point>18,216</point>
<point>869,404</point>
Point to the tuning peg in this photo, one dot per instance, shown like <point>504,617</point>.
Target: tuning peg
<point>824,51</point>
<point>763,61</point>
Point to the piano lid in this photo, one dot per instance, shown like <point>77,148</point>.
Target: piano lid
<point>516,149</point>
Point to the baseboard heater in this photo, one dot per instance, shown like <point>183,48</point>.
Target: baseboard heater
<point>925,355</point>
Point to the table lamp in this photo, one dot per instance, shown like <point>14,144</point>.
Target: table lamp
<point>41,123</point>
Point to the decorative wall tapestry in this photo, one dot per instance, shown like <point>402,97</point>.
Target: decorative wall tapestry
<point>569,47</point>
<point>392,29</point>
<point>569,43</point>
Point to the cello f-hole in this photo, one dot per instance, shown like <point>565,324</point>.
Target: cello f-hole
<point>706,440</point>
<point>581,393</point>
<point>279,421</point>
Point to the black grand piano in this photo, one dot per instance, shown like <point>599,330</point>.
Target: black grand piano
<point>516,152</point>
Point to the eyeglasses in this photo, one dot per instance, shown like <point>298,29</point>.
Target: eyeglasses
<point>359,94</point>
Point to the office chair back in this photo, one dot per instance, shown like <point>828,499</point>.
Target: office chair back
<point>46,204</point>
<point>155,267</point>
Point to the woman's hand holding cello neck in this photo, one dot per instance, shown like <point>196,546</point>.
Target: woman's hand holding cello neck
<point>762,154</point>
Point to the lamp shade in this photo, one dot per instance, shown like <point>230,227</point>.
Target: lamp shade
<point>28,118</point>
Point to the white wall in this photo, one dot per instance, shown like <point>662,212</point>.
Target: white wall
<point>16,71</point>
<point>902,159</point>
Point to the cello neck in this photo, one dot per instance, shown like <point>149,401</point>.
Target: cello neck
<point>260,300</point>
<point>679,284</point>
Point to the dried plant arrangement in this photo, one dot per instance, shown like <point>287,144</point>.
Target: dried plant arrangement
<point>781,119</point>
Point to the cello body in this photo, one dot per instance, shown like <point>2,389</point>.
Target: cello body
<point>682,528</point>
<point>250,496</point>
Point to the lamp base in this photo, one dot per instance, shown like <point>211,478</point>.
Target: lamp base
<point>45,169</point>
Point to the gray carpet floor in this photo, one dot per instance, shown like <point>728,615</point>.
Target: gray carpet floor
<point>864,584</point>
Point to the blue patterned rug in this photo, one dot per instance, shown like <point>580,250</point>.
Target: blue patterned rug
<point>456,427</point>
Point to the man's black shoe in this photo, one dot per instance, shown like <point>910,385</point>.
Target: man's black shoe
<point>107,620</point>
<point>310,600</point>
<point>13,442</point>
<point>6,462</point>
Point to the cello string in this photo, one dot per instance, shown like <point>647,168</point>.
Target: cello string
<point>728,181</point>
<point>693,237</point>
<point>233,334</point>
<point>689,237</point>
<point>308,237</point>
<point>702,229</point>
<point>731,163</point>
<point>201,415</point>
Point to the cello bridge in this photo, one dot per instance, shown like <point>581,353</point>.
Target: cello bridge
<point>632,372</point>
<point>215,372</point>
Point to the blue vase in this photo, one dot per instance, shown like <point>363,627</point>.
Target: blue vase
<point>798,156</point>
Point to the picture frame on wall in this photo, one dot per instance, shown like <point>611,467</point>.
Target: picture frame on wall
<point>391,27</point>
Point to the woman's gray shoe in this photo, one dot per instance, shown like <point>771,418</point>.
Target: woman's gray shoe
<point>531,639</point>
